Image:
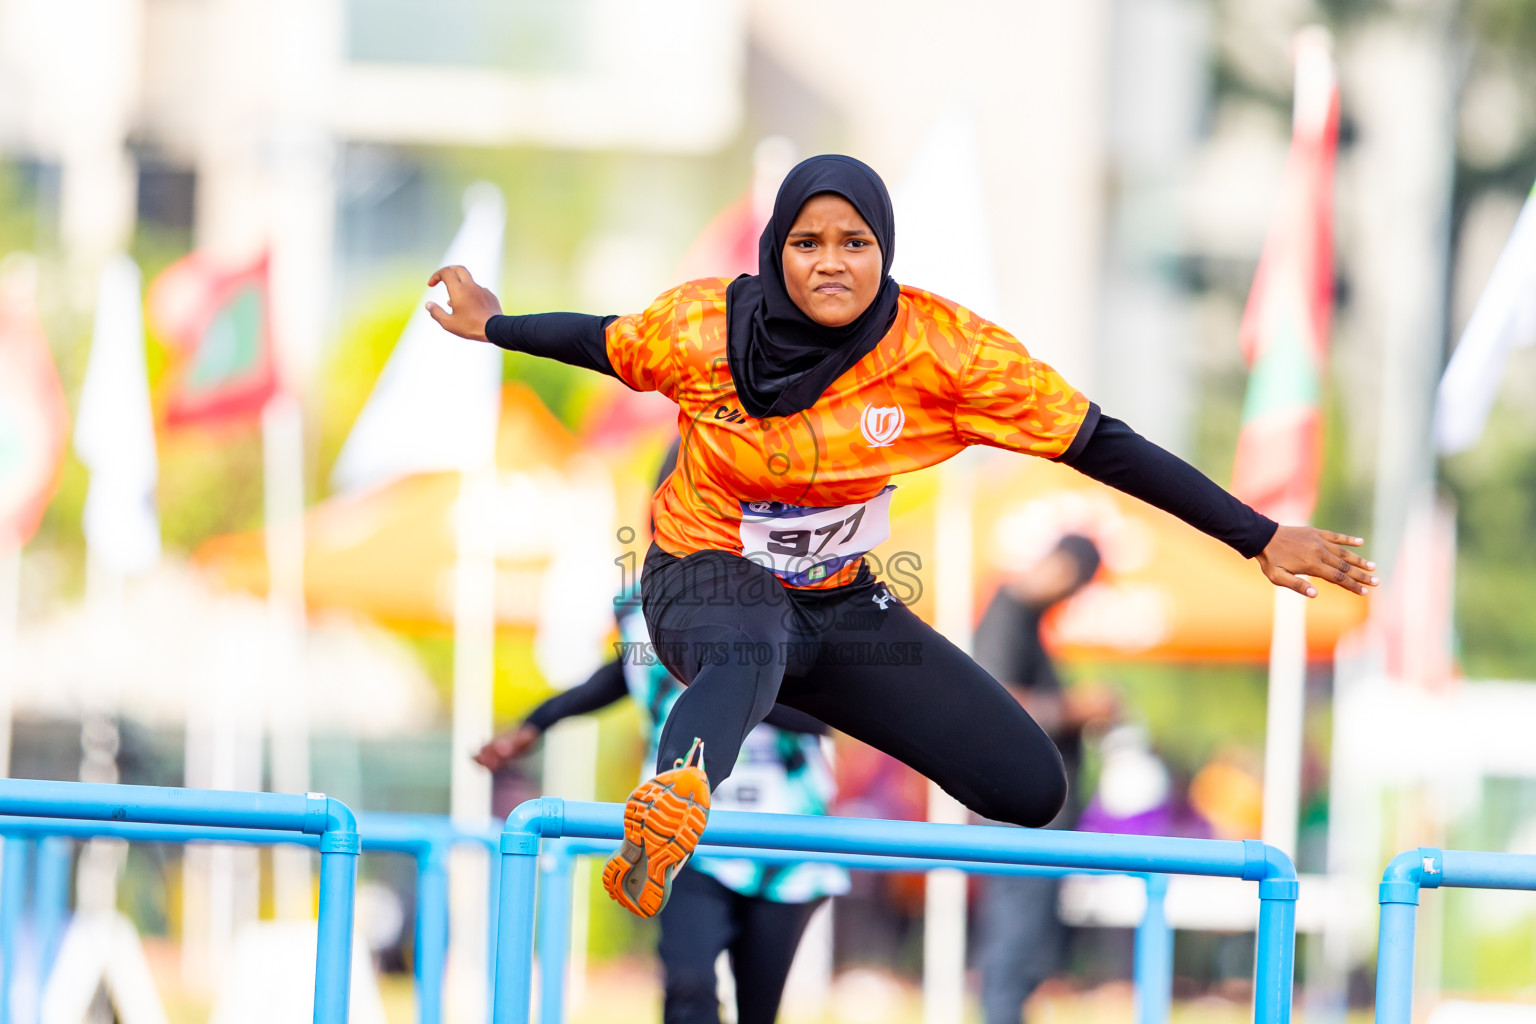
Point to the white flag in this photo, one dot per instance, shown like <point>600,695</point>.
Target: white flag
<point>115,429</point>
<point>436,404</point>
<point>941,206</point>
<point>1504,320</point>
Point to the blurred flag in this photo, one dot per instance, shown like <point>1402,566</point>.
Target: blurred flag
<point>216,318</point>
<point>115,431</point>
<point>435,405</point>
<point>941,206</point>
<point>1504,320</point>
<point>33,417</point>
<point>726,247</point>
<point>1284,332</point>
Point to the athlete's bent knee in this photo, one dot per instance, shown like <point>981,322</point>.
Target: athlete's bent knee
<point>1033,806</point>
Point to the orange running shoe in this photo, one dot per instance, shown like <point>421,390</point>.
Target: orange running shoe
<point>663,820</point>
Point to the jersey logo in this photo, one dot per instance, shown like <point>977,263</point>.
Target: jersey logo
<point>883,599</point>
<point>881,425</point>
<point>730,415</point>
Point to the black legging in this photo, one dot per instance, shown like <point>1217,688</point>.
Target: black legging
<point>853,657</point>
<point>704,918</point>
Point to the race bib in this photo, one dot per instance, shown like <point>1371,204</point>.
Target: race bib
<point>759,781</point>
<point>803,545</point>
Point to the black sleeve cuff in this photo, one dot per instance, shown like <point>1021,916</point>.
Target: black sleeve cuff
<point>1085,430</point>
<point>572,338</point>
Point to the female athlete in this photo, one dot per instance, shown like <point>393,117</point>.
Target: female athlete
<point>801,391</point>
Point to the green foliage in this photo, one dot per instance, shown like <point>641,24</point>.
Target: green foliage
<point>1343,493</point>
<point>1494,486</point>
<point>1190,711</point>
<point>352,365</point>
<point>210,484</point>
<point>1507,25</point>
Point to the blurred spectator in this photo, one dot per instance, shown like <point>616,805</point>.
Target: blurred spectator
<point>1228,793</point>
<point>1134,795</point>
<point>1021,936</point>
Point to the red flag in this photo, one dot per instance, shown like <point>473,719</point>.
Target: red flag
<point>217,318</point>
<point>1284,332</point>
<point>725,248</point>
<point>33,416</point>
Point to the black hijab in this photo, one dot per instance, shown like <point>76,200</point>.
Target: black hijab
<point>780,359</point>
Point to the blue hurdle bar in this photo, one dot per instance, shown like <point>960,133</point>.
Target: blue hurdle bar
<point>1154,939</point>
<point>1429,868</point>
<point>426,838</point>
<point>312,814</point>
<point>549,817</point>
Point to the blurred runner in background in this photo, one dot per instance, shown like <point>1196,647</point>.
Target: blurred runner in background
<point>755,913</point>
<point>1021,938</point>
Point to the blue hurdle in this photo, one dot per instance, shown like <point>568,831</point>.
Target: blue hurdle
<point>1429,868</point>
<point>212,811</point>
<point>426,838</point>
<point>969,845</point>
<point>1154,939</point>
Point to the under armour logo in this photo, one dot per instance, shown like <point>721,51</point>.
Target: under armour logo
<point>883,599</point>
<point>881,425</point>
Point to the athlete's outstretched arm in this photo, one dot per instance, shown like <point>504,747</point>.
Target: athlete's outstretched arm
<point>475,313</point>
<point>1115,454</point>
<point>602,688</point>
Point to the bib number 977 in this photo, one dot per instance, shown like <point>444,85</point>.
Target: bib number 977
<point>797,543</point>
<point>804,545</point>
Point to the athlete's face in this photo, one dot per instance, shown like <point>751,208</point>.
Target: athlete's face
<point>831,261</point>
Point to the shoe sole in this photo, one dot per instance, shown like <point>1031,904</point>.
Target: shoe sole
<point>663,820</point>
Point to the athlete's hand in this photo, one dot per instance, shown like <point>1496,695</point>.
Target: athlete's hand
<point>471,304</point>
<point>509,746</point>
<point>1298,551</point>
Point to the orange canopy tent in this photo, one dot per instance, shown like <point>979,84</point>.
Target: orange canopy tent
<point>1165,591</point>
<point>391,552</point>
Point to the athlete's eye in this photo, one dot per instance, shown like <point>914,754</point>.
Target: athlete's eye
<point>804,245</point>
<point>859,243</point>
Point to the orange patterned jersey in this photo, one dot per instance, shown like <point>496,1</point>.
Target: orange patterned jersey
<point>807,494</point>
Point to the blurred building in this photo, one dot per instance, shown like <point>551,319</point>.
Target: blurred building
<point>239,120</point>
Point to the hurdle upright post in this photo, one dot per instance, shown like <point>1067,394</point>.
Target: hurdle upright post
<point>13,895</point>
<point>431,927</point>
<point>1399,898</point>
<point>1153,967</point>
<point>339,847</point>
<point>519,884</point>
<point>50,900</point>
<point>1275,948</point>
<point>556,865</point>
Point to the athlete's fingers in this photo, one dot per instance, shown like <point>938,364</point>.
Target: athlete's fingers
<point>1280,578</point>
<point>1340,575</point>
<point>438,313</point>
<point>1356,573</point>
<point>1354,559</point>
<point>1341,538</point>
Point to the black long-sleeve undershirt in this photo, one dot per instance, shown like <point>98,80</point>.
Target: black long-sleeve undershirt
<point>1105,449</point>
<point>1116,455</point>
<point>602,688</point>
<point>576,339</point>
